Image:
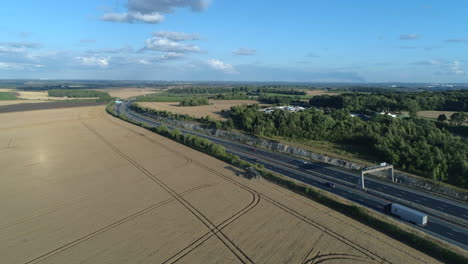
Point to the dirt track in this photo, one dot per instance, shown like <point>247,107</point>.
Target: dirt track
<point>78,186</point>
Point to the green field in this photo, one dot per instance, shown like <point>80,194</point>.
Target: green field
<point>7,96</point>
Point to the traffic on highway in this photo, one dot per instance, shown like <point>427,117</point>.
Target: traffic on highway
<point>447,219</point>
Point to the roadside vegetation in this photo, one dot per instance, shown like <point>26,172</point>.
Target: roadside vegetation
<point>414,145</point>
<point>428,148</point>
<point>410,237</point>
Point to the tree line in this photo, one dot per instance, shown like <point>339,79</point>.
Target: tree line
<point>196,101</point>
<point>414,145</point>
<point>78,93</point>
<point>395,102</point>
<point>207,90</point>
<point>240,89</point>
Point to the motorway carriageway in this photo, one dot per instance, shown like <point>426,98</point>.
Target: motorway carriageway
<point>379,192</point>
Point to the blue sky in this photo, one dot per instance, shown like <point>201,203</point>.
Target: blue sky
<point>256,40</point>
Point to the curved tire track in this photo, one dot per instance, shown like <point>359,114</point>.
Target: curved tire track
<point>108,227</point>
<point>339,237</point>
<point>194,211</point>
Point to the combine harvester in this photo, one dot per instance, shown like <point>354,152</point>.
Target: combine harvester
<point>407,214</point>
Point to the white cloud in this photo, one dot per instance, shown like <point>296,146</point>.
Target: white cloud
<point>176,36</point>
<point>172,56</point>
<point>150,11</point>
<point>17,47</point>
<point>94,61</point>
<point>244,52</point>
<point>429,62</point>
<point>18,66</point>
<point>167,45</point>
<point>125,49</point>
<point>166,6</point>
<point>221,66</point>
<point>444,66</point>
<point>133,17</point>
<point>410,36</point>
<point>456,68</point>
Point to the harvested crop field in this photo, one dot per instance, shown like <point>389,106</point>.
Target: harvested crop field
<point>435,114</point>
<point>128,92</point>
<point>319,92</point>
<point>21,107</point>
<point>43,96</point>
<point>79,186</point>
<point>214,110</point>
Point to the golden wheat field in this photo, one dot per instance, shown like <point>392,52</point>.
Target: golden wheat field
<point>214,109</point>
<point>128,92</point>
<point>79,186</point>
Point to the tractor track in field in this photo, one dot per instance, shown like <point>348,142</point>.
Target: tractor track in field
<point>363,250</point>
<point>240,255</point>
<point>109,227</point>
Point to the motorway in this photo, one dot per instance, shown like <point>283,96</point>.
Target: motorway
<point>447,218</point>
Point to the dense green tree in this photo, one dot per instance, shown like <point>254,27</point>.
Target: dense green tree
<point>458,118</point>
<point>442,118</point>
<point>395,102</point>
<point>415,145</point>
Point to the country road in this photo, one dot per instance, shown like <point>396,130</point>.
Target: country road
<point>448,219</point>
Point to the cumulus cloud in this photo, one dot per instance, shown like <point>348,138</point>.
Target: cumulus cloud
<point>172,56</point>
<point>167,45</point>
<point>93,61</point>
<point>244,52</point>
<point>133,17</point>
<point>428,62</point>
<point>456,68</point>
<point>221,66</point>
<point>166,6</point>
<point>445,67</point>
<point>459,40</point>
<point>150,11</point>
<point>126,49</point>
<point>176,36</point>
<point>410,36</point>
<point>17,47</point>
<point>18,66</point>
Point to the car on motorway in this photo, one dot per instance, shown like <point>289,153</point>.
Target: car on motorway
<point>330,185</point>
<point>253,150</point>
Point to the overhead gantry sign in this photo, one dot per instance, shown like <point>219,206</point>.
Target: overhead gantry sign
<point>381,167</point>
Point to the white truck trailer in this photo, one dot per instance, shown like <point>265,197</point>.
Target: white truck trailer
<point>407,214</point>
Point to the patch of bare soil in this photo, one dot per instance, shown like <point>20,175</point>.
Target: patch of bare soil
<point>319,92</point>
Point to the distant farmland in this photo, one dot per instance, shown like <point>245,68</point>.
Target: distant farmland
<point>214,110</point>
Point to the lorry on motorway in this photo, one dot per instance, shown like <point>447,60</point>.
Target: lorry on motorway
<point>405,213</point>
